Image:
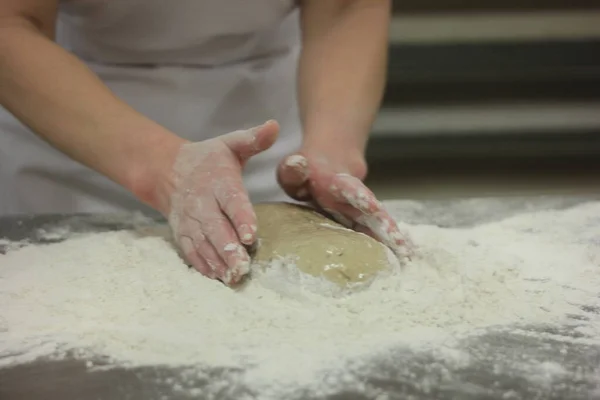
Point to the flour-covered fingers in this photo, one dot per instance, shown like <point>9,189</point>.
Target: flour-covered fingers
<point>380,226</point>
<point>199,211</point>
<point>350,200</point>
<point>292,175</point>
<point>352,218</point>
<point>206,250</point>
<point>206,201</point>
<point>190,254</point>
<point>350,190</point>
<point>234,254</point>
<point>235,204</point>
<point>385,229</point>
<point>195,229</point>
<point>360,205</point>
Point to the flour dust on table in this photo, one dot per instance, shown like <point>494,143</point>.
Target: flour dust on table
<point>126,299</point>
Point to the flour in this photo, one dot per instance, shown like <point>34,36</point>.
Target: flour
<point>7,245</point>
<point>298,163</point>
<point>129,297</point>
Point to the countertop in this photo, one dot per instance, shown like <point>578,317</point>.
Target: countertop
<point>506,360</point>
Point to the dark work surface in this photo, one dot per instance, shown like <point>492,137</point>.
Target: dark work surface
<point>503,363</point>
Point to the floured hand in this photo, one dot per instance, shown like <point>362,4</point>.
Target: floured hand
<point>210,212</point>
<point>335,186</point>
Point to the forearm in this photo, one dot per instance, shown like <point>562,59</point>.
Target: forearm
<point>60,99</point>
<point>342,70</point>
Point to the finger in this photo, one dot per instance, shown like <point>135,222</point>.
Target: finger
<point>207,251</point>
<point>346,198</point>
<point>380,226</point>
<point>402,251</point>
<point>235,204</point>
<point>385,229</point>
<point>364,230</point>
<point>340,218</point>
<point>225,240</point>
<point>198,263</point>
<point>293,174</point>
<point>359,204</point>
<point>247,143</point>
<point>194,230</point>
<point>350,190</point>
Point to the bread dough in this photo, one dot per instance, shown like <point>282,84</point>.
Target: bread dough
<point>317,245</point>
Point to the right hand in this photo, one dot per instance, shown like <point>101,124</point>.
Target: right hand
<point>209,210</point>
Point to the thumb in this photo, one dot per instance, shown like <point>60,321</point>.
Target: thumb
<point>250,142</point>
<point>293,174</point>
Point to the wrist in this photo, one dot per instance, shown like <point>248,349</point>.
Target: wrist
<point>151,178</point>
<point>336,137</point>
<point>344,156</point>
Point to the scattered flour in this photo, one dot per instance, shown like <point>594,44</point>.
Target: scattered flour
<point>7,245</point>
<point>55,233</point>
<point>128,296</point>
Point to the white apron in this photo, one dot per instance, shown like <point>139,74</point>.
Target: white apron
<point>201,68</point>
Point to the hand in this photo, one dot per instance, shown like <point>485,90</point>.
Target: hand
<point>209,210</point>
<point>334,183</point>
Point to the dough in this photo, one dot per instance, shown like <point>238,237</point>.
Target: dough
<point>318,246</point>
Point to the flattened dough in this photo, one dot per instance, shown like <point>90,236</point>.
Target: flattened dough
<point>318,245</point>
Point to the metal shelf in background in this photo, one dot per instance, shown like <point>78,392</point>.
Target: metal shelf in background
<point>480,119</point>
<point>577,145</point>
<point>469,6</point>
<point>494,62</point>
<point>541,89</point>
<point>490,81</point>
<point>495,26</point>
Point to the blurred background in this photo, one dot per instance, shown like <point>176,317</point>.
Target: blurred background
<point>488,98</point>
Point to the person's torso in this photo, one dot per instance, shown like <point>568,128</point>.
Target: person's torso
<point>204,33</point>
<point>198,67</point>
<point>201,68</point>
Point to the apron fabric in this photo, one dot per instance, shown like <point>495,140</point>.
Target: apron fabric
<point>200,68</point>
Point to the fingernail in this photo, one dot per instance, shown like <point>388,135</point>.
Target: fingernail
<point>234,274</point>
<point>296,161</point>
<point>246,234</point>
<point>228,277</point>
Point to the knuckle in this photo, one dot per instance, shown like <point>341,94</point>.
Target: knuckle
<point>220,234</point>
<point>229,198</point>
<point>237,206</point>
<point>242,212</point>
<point>195,206</point>
<point>199,241</point>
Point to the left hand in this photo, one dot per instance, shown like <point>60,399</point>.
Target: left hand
<point>332,180</point>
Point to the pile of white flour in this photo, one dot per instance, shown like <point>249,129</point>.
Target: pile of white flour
<point>128,296</point>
